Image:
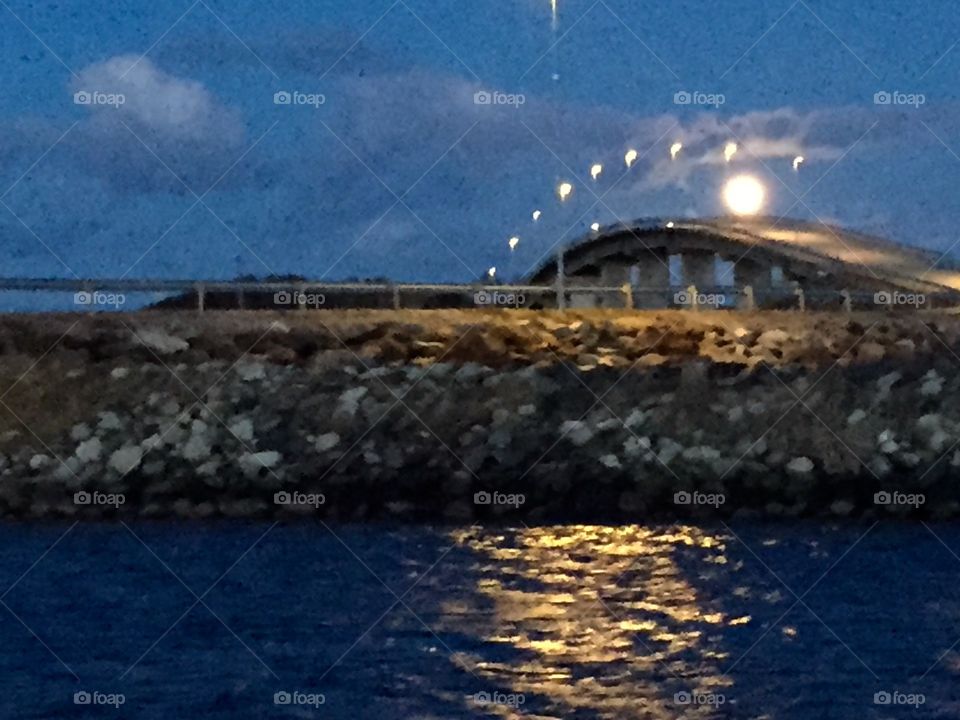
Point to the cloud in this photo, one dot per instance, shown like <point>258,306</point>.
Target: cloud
<point>141,118</point>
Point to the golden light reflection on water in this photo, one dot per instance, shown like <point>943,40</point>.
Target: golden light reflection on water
<point>581,610</point>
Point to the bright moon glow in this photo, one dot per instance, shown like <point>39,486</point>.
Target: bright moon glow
<point>797,161</point>
<point>631,157</point>
<point>595,170</point>
<point>729,151</point>
<point>513,242</point>
<point>744,195</point>
<point>563,190</point>
<point>536,215</point>
<point>595,227</point>
<point>674,149</point>
<point>492,271</point>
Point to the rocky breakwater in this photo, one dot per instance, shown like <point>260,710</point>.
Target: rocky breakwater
<point>456,416</point>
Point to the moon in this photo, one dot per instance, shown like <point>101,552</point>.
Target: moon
<point>744,195</point>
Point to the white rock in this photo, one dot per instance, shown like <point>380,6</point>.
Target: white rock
<point>735,414</point>
<point>251,371</point>
<point>255,461</point>
<point>371,458</point>
<point>931,387</point>
<point>242,429</point>
<point>119,373</point>
<point>701,453</point>
<point>349,401</point>
<point>800,465</point>
<point>526,410</point>
<point>886,382</point>
<point>39,461</point>
<point>635,418</point>
<point>856,416</point>
<point>327,441</point>
<point>610,461</point>
<point>90,450</point>
<point>80,431</point>
<point>162,343</point>
<point>196,448</point>
<point>208,468</point>
<point>577,431</point>
<point>633,446</point>
<point>126,459</point>
<point>669,449</point>
<point>109,421</point>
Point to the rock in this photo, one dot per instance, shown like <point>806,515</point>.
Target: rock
<point>80,431</point>
<point>109,421</point>
<point>773,338</point>
<point>196,448</point>
<point>735,414</point>
<point>870,351</point>
<point>577,432</point>
<point>349,401</point>
<point>841,507</point>
<point>119,373</point>
<point>242,429</point>
<point>253,462</point>
<point>932,384</point>
<point>652,360</point>
<point>126,459</point>
<point>327,441</point>
<point>635,419</point>
<point>527,410</point>
<point>89,450</point>
<point>633,446</point>
<point>250,371</point>
<point>888,381</point>
<point>162,343</point>
<point>800,466</point>
<point>39,461</point>
<point>856,416</point>
<point>610,461</point>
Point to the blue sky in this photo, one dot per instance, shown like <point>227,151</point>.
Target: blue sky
<point>399,173</point>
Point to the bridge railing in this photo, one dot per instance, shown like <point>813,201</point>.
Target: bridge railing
<point>105,294</point>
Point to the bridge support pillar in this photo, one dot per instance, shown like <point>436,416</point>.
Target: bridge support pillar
<point>653,273</point>
<point>747,272</point>
<point>699,268</point>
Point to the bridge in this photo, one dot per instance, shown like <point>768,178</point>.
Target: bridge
<point>760,261</point>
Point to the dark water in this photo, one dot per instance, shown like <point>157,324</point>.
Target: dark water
<point>556,622</point>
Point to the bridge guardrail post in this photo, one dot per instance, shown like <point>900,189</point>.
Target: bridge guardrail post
<point>201,297</point>
<point>847,301</point>
<point>627,290</point>
<point>561,294</point>
<point>396,297</point>
<point>692,295</point>
<point>801,299</point>
<point>748,300</point>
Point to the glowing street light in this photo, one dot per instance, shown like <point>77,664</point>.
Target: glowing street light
<point>595,171</point>
<point>630,158</point>
<point>595,227</point>
<point>675,150</point>
<point>670,224</point>
<point>492,273</point>
<point>744,195</point>
<point>513,242</point>
<point>729,151</point>
<point>536,215</point>
<point>797,161</point>
<point>564,190</point>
